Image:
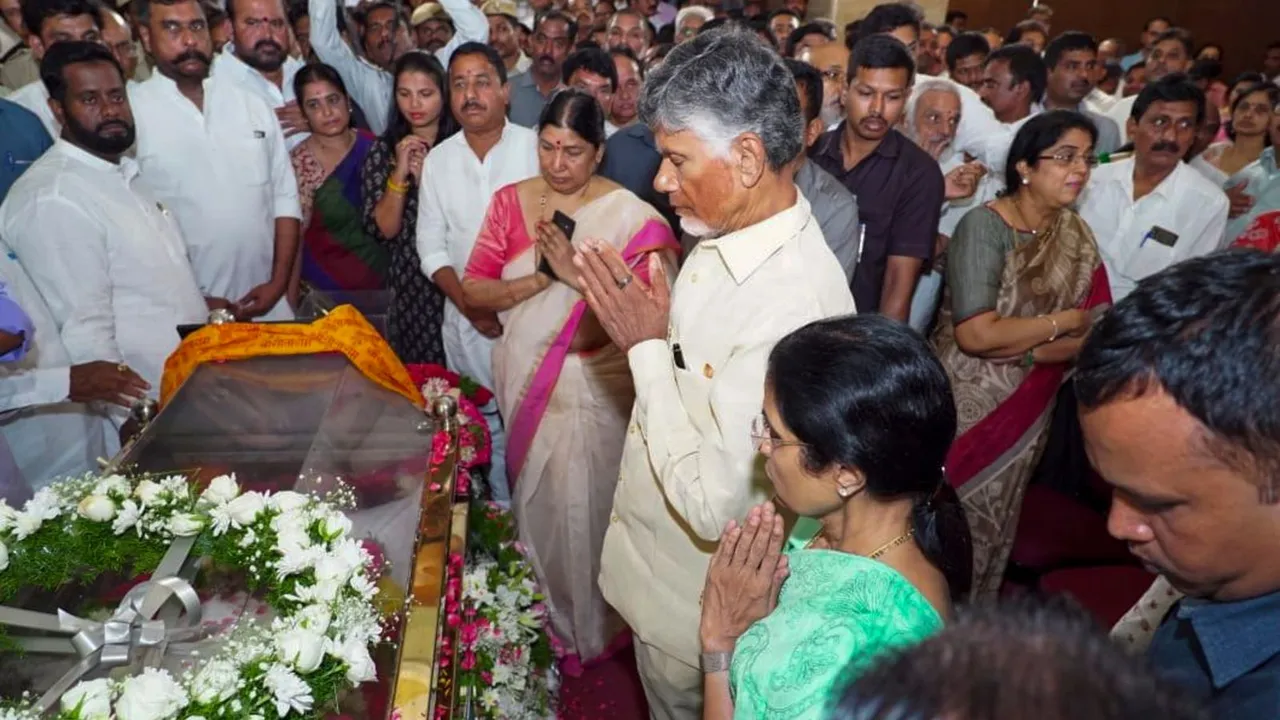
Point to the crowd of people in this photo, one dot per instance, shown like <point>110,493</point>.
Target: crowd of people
<point>778,315</point>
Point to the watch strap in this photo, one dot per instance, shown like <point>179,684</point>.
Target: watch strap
<point>714,662</point>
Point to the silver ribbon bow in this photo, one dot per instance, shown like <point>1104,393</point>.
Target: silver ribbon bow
<point>136,625</point>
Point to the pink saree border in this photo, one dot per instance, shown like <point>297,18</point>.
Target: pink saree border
<point>654,235</point>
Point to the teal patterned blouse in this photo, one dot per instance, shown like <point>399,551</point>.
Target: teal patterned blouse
<point>835,614</point>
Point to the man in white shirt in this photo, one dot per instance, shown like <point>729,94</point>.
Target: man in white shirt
<point>257,59</point>
<point>46,417</point>
<point>1152,210</point>
<point>50,22</point>
<point>107,258</point>
<point>980,134</point>
<point>214,154</point>
<point>698,347</point>
<point>384,37</point>
<point>931,118</point>
<point>1071,60</point>
<point>1171,52</point>
<point>458,178</point>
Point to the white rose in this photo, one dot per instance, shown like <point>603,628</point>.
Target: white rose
<point>4,557</point>
<point>8,516</point>
<point>335,525</point>
<point>90,700</point>
<point>112,485</point>
<point>153,695</point>
<point>217,681</point>
<point>222,489</point>
<point>288,501</point>
<point>97,508</point>
<point>185,524</point>
<point>148,492</point>
<point>333,568</point>
<point>315,618</point>
<point>355,654</point>
<point>246,508</point>
<point>302,649</point>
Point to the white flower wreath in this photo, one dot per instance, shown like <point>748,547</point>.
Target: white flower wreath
<point>317,578</point>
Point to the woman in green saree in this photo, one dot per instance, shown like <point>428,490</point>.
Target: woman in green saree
<point>858,417</point>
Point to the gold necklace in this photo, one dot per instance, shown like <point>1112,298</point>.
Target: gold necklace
<point>542,199</point>
<point>878,551</point>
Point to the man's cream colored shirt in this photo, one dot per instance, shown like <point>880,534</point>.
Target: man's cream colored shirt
<point>690,464</point>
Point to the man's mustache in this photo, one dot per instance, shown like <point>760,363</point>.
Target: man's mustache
<point>268,44</point>
<point>470,105</point>
<point>1165,147</point>
<point>192,55</point>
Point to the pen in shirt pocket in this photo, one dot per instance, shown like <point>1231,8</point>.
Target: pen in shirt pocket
<point>13,161</point>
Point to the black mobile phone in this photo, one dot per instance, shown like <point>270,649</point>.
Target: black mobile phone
<point>565,223</point>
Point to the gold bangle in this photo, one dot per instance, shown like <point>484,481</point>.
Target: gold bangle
<point>396,187</point>
<point>1053,323</point>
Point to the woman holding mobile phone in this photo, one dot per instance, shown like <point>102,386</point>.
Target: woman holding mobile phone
<point>564,389</point>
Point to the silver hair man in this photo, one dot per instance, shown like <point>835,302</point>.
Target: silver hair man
<point>939,102</point>
<point>728,99</point>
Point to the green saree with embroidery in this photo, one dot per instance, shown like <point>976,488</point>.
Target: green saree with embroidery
<point>836,613</point>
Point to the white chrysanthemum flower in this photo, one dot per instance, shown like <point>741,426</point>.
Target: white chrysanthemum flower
<point>7,516</point>
<point>26,525</point>
<point>290,692</point>
<point>127,517</point>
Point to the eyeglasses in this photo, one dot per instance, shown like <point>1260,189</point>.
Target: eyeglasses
<point>762,432</point>
<point>1069,157</point>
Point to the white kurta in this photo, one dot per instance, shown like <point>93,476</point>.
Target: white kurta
<point>452,202</point>
<point>226,175</point>
<point>48,436</point>
<point>237,71</point>
<point>107,258</point>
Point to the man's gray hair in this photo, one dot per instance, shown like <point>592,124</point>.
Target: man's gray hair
<point>722,84</point>
<point>919,91</point>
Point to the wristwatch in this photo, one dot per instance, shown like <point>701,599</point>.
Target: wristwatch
<point>714,662</point>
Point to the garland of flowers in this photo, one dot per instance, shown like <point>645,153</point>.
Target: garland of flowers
<point>295,548</point>
<point>502,657</point>
<point>504,652</point>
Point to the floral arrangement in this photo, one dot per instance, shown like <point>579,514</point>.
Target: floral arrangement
<point>295,548</point>
<point>503,653</point>
<point>474,442</point>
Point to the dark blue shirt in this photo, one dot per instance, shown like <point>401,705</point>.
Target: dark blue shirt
<point>631,159</point>
<point>22,140</point>
<point>1225,653</point>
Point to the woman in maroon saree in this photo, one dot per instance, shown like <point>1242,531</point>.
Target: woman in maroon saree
<point>1024,281</point>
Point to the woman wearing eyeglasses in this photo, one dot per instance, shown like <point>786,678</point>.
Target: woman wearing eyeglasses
<point>858,416</point>
<point>1024,281</point>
